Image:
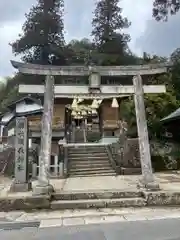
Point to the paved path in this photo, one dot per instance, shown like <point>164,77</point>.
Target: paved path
<point>169,181</point>
<point>139,230</point>
<point>46,219</point>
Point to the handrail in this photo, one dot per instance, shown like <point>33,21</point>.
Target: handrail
<point>110,155</point>
<point>65,162</point>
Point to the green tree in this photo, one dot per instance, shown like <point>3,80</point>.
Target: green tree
<point>108,24</point>
<point>163,8</point>
<point>157,106</point>
<point>42,33</point>
<point>175,71</point>
<point>80,51</point>
<point>8,92</point>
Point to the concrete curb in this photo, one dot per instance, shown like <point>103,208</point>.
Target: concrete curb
<point>77,221</point>
<point>84,217</point>
<point>19,225</point>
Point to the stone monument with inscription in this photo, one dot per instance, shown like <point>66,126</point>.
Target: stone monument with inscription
<point>21,181</point>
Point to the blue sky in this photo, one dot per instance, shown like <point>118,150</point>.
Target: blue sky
<point>146,33</point>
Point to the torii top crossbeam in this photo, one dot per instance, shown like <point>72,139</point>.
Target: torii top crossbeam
<point>130,70</point>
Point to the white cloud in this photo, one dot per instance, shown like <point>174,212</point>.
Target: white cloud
<point>8,33</point>
<point>160,38</point>
<point>78,17</point>
<point>138,12</point>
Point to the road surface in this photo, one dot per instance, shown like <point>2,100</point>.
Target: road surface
<point>166,229</point>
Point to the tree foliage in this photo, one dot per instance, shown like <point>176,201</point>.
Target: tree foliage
<point>163,8</point>
<point>157,106</point>
<point>42,32</point>
<point>8,92</point>
<point>81,51</point>
<point>108,25</point>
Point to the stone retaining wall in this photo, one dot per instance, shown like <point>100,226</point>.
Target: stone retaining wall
<point>164,155</point>
<point>126,153</point>
<point>30,203</point>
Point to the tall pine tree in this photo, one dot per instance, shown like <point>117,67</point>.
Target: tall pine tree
<point>43,33</point>
<point>108,24</point>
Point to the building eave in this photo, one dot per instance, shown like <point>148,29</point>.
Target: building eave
<point>26,114</point>
<point>25,99</point>
<point>171,117</point>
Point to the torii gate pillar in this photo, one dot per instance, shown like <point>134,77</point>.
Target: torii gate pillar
<point>44,186</point>
<point>147,180</point>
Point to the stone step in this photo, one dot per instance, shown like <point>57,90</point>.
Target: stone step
<point>97,203</point>
<point>86,145</point>
<point>89,169</point>
<point>89,155</point>
<point>86,148</point>
<point>86,151</point>
<point>89,164</point>
<point>89,159</point>
<point>85,162</point>
<point>98,194</point>
<point>92,154</point>
<point>130,171</point>
<point>91,175</point>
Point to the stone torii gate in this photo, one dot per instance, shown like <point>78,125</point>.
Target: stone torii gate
<point>147,180</point>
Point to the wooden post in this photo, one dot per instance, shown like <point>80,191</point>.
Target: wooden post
<point>144,148</point>
<point>73,127</point>
<point>100,112</point>
<point>34,170</point>
<point>46,136</point>
<point>84,125</point>
<point>56,165</point>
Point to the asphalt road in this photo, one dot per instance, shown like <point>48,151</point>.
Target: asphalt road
<point>168,229</point>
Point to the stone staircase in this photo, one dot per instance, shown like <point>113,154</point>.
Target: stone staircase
<point>79,135</point>
<point>89,160</point>
<point>91,135</point>
<point>97,199</point>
